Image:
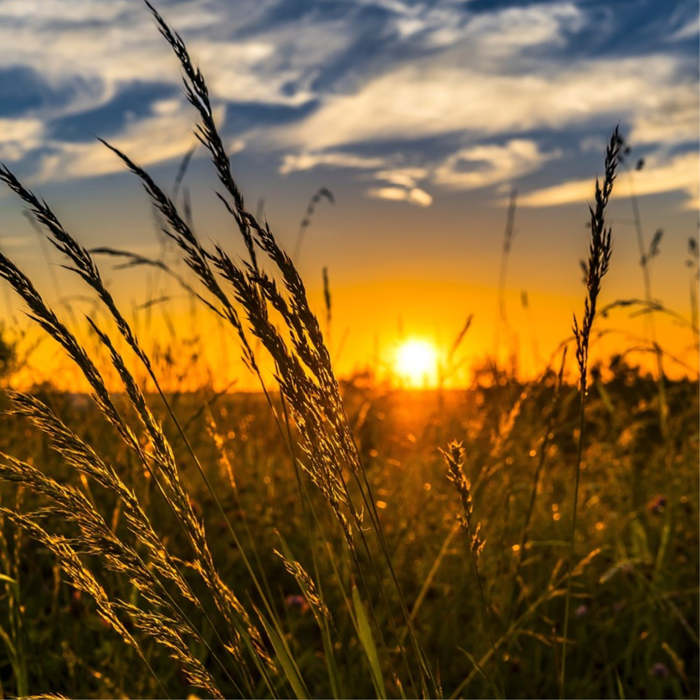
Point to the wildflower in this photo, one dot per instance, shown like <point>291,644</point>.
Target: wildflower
<point>659,670</point>
<point>581,610</point>
<point>296,601</point>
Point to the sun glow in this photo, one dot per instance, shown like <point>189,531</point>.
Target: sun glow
<point>416,363</point>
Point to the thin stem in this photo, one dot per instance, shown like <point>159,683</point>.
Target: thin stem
<point>536,479</point>
<point>651,325</point>
<point>572,535</point>
<point>505,252</point>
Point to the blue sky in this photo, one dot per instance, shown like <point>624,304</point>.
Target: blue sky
<point>409,98</point>
<point>420,116</point>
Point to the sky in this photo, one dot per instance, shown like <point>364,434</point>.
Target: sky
<point>419,117</point>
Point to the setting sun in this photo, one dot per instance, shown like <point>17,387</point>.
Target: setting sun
<point>416,362</point>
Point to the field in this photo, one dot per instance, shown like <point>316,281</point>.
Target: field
<point>634,625</point>
<point>339,537</point>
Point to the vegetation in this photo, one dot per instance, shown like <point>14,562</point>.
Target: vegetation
<point>338,539</point>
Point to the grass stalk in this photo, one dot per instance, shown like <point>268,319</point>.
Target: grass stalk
<point>600,251</point>
<point>645,257</point>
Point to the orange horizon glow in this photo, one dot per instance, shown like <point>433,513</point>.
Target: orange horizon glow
<point>416,363</point>
<point>204,353</point>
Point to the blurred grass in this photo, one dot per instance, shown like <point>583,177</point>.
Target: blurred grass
<point>634,607</point>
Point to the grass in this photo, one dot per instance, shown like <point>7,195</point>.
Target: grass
<point>303,541</point>
<point>600,252</point>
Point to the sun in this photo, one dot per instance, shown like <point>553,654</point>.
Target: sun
<point>416,363</point>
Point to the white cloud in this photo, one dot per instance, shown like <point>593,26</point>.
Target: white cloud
<point>420,197</point>
<point>433,97</point>
<point>403,177</point>
<point>673,117</point>
<point>501,32</point>
<point>93,49</point>
<point>677,174</point>
<point>64,10</point>
<point>478,166</point>
<point>403,186</point>
<point>402,181</point>
<point>488,74</point>
<point>18,136</point>
<point>688,30</point>
<point>413,195</point>
<point>161,136</point>
<point>259,69</point>
<point>434,24</point>
<point>487,82</point>
<point>90,51</point>
<point>333,159</point>
<point>166,106</point>
<point>508,31</point>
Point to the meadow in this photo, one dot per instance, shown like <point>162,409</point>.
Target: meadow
<point>328,537</point>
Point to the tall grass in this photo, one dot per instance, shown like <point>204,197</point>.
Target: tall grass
<point>599,254</point>
<point>645,257</point>
<point>323,449</point>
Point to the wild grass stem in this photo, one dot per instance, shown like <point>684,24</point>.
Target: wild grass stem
<point>599,253</point>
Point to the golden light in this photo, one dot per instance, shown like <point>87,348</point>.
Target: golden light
<point>416,363</point>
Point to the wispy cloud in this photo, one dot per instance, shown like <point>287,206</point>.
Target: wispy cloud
<point>479,166</point>
<point>680,174</point>
<point>401,184</point>
<point>19,136</point>
<point>437,98</point>
<point>690,29</point>
<point>333,159</point>
<point>165,134</point>
<point>672,120</point>
<point>412,195</point>
<point>416,96</point>
<point>63,10</point>
<point>403,177</point>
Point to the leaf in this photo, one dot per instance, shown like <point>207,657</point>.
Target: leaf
<point>620,689</point>
<point>663,546</point>
<point>8,579</point>
<point>288,666</point>
<point>639,543</point>
<point>367,640</point>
